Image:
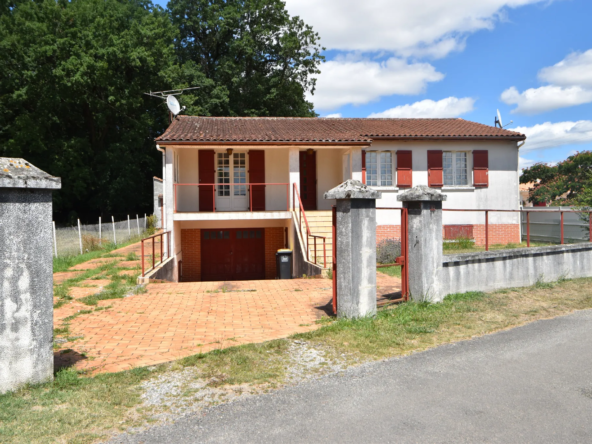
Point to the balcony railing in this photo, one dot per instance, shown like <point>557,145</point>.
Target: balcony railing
<point>254,195</point>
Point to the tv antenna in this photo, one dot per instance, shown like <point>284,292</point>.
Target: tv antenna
<point>498,121</point>
<point>171,101</point>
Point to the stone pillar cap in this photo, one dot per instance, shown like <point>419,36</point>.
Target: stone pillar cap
<point>421,193</point>
<point>18,173</point>
<point>352,189</point>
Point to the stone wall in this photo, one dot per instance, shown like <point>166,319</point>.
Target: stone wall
<point>493,270</point>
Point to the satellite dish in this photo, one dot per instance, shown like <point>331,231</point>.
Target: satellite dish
<point>173,105</point>
<point>499,119</point>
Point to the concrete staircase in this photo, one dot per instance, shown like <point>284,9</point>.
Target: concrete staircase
<point>320,225</point>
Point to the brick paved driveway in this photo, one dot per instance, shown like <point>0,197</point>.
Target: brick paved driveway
<point>174,320</point>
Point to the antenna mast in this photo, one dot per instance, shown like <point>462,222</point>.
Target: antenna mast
<point>171,102</point>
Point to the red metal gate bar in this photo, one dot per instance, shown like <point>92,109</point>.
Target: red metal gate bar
<point>561,227</point>
<point>527,229</point>
<point>143,267</point>
<point>334,259</point>
<point>486,230</point>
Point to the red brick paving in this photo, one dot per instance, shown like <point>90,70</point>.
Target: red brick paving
<point>174,320</point>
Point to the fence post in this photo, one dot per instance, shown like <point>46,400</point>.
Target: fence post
<point>145,222</point>
<point>114,236</point>
<point>138,223</point>
<point>590,226</point>
<point>79,236</point>
<point>129,228</point>
<point>100,232</point>
<point>55,241</point>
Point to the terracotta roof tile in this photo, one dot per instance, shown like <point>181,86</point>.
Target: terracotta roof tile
<point>324,130</point>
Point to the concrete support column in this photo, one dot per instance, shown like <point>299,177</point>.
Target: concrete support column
<point>356,248</point>
<point>425,242</point>
<point>294,167</point>
<point>356,164</point>
<point>26,274</point>
<point>169,210</point>
<point>346,165</point>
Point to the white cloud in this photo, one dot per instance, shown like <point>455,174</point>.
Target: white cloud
<point>524,163</point>
<point>545,98</point>
<point>333,116</point>
<point>574,70</point>
<point>570,84</point>
<point>403,27</point>
<point>357,82</point>
<point>553,135</point>
<point>449,107</point>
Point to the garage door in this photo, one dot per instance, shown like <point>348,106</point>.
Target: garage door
<point>232,255</point>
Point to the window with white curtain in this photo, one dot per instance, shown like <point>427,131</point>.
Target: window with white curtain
<point>379,168</point>
<point>454,164</point>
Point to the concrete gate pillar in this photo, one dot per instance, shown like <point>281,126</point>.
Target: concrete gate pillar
<point>356,248</point>
<point>425,242</point>
<point>26,274</point>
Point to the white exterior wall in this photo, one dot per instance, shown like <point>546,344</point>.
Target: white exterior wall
<point>502,192</point>
<point>329,174</point>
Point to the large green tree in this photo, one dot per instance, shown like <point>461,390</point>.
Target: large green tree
<point>73,74</point>
<point>72,78</point>
<point>567,183</point>
<point>260,61</point>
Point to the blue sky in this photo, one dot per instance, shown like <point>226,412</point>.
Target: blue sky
<point>461,58</point>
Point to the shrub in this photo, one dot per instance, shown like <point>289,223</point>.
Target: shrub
<point>388,250</point>
<point>151,222</point>
<point>90,243</point>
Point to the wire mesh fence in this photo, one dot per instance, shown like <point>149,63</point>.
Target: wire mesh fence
<point>82,238</point>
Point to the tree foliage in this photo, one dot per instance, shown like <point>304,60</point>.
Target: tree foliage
<point>73,74</point>
<point>567,183</point>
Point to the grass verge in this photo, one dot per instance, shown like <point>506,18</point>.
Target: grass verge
<point>80,410</point>
<point>464,245</point>
<point>64,263</point>
<point>391,271</point>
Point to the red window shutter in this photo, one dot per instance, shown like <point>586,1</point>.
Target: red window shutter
<point>481,169</point>
<point>435,178</point>
<point>207,175</point>
<point>404,169</point>
<point>257,175</point>
<point>363,166</point>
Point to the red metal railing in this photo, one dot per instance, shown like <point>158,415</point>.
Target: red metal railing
<point>301,214</point>
<point>217,185</point>
<point>162,253</point>
<point>562,236</point>
<point>402,260</point>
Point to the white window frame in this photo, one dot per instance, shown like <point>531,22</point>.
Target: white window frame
<point>379,179</point>
<point>467,169</point>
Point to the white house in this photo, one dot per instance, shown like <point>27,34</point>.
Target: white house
<point>234,186</point>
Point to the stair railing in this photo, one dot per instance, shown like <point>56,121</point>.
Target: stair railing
<point>302,214</point>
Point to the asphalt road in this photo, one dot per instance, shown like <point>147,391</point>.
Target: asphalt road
<point>531,384</point>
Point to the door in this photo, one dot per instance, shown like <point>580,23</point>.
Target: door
<point>231,171</point>
<point>257,175</point>
<point>232,254</point>
<point>308,180</point>
<point>207,175</point>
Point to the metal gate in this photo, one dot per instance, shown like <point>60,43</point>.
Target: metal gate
<point>400,261</point>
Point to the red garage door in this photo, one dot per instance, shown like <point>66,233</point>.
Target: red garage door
<point>232,255</point>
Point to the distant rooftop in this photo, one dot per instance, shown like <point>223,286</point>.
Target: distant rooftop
<point>326,130</point>
<point>18,173</point>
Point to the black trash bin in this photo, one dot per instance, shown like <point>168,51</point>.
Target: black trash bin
<point>283,261</point>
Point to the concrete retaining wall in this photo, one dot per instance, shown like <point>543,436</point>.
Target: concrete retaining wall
<point>522,267</point>
<point>165,272</point>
